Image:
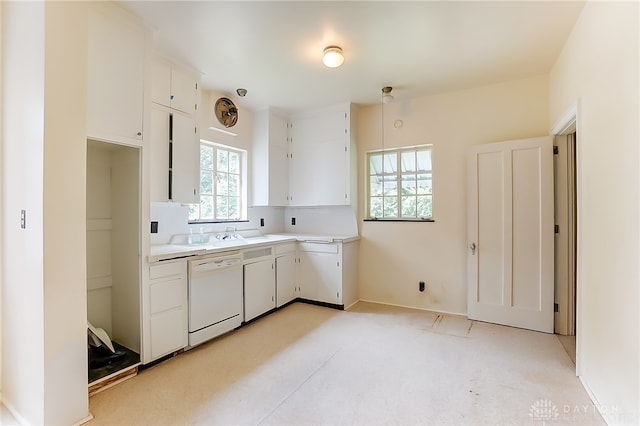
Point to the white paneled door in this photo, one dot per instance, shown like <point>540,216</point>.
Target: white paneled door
<point>510,233</point>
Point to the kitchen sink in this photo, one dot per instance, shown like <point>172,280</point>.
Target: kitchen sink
<point>228,243</point>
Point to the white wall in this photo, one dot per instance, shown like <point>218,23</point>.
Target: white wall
<point>64,202</point>
<point>207,119</point>
<point>321,220</point>
<point>1,220</point>
<point>394,256</point>
<point>44,305</point>
<point>598,67</point>
<point>23,133</point>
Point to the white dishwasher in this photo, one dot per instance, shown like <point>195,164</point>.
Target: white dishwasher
<point>215,296</point>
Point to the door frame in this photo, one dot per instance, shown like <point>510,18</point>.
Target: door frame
<point>569,122</point>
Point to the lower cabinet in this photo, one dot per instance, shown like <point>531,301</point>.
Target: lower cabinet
<point>285,278</point>
<point>272,277</point>
<point>259,288</point>
<point>168,307</point>
<point>320,275</point>
<point>286,262</point>
<point>327,272</point>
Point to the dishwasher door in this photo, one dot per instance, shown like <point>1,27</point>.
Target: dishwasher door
<point>215,297</point>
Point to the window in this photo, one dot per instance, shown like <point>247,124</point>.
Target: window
<point>222,194</point>
<point>400,184</point>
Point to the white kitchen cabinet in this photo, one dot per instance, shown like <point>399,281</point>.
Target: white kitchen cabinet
<point>285,273</point>
<point>174,88</point>
<point>185,165</point>
<point>159,153</point>
<point>175,156</point>
<point>259,282</point>
<point>270,159</point>
<point>168,309</point>
<point>259,288</point>
<point>115,76</point>
<point>327,272</point>
<point>323,157</point>
<point>321,272</point>
<point>305,277</point>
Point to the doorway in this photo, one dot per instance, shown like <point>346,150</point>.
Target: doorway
<point>113,268</point>
<point>565,201</point>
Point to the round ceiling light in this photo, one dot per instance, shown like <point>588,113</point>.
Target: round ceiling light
<point>332,57</point>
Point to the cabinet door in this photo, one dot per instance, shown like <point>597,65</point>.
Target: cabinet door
<point>278,161</point>
<point>168,332</point>
<point>326,268</point>
<point>319,159</point>
<point>259,288</point>
<point>306,277</point>
<point>161,84</point>
<point>168,307</point>
<point>115,78</point>
<point>183,91</point>
<point>185,153</point>
<point>285,279</point>
<point>159,149</point>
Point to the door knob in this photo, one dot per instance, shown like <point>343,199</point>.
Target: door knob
<point>473,248</point>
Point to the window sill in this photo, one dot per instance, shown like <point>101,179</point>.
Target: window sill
<point>398,220</point>
<point>195,222</point>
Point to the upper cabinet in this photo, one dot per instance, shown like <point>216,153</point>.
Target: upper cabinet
<point>174,137</point>
<point>115,86</point>
<point>270,159</point>
<point>323,157</point>
<point>174,88</point>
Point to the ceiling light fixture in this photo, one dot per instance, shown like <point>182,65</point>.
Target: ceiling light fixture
<point>386,98</point>
<point>386,94</point>
<point>332,56</point>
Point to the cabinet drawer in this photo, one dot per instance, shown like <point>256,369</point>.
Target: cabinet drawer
<point>319,247</point>
<point>167,295</point>
<point>284,248</point>
<point>166,269</point>
<point>168,332</point>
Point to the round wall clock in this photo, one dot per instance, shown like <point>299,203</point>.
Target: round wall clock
<point>226,112</point>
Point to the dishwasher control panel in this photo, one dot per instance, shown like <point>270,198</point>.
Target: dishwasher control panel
<point>213,263</point>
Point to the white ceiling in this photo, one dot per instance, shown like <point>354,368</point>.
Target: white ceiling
<point>274,49</point>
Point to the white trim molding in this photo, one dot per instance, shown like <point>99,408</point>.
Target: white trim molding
<point>566,120</point>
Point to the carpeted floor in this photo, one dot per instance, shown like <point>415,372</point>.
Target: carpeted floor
<point>371,365</point>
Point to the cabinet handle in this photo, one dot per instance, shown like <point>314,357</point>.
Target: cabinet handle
<point>139,133</point>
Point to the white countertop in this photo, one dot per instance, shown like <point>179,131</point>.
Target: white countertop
<point>175,251</point>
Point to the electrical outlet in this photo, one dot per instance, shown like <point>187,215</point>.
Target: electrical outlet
<point>154,227</point>
<point>421,286</point>
<point>293,220</point>
<point>261,221</point>
<point>23,219</point>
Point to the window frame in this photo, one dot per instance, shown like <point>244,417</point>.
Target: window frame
<point>398,178</point>
<point>242,184</point>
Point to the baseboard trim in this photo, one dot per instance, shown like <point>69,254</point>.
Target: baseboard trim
<point>85,420</point>
<point>414,307</point>
<point>16,415</point>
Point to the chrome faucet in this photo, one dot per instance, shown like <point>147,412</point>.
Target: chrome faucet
<point>229,232</point>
